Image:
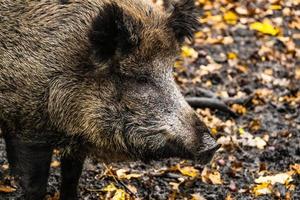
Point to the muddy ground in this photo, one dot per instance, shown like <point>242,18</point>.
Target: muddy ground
<point>261,68</point>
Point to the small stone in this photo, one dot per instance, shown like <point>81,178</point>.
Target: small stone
<point>221,162</point>
<point>232,186</point>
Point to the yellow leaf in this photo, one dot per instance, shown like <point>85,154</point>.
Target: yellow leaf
<point>275,7</point>
<point>110,188</point>
<point>214,131</point>
<point>265,28</point>
<point>231,55</point>
<point>242,131</point>
<point>215,178</point>
<point>199,34</point>
<point>119,195</point>
<point>188,171</point>
<point>189,52</point>
<point>6,189</point>
<point>262,189</point>
<point>230,17</point>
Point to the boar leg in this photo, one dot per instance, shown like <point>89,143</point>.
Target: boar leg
<point>11,154</point>
<point>31,163</point>
<point>71,168</point>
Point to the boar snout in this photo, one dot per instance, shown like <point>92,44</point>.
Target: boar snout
<point>207,145</point>
<point>207,155</point>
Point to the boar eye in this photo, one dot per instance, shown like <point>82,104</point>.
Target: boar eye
<point>142,79</point>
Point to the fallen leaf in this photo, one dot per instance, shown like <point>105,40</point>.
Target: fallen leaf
<point>297,73</point>
<point>260,143</point>
<point>188,171</point>
<point>197,196</point>
<point>239,109</point>
<point>282,178</point>
<point>110,188</point>
<point>228,197</point>
<point>6,189</point>
<point>122,174</point>
<point>211,176</point>
<point>175,186</point>
<point>132,188</point>
<point>231,55</point>
<point>55,164</point>
<point>215,178</point>
<point>296,168</point>
<point>189,52</point>
<point>54,197</point>
<point>264,27</point>
<point>242,11</point>
<point>119,195</point>
<point>230,17</point>
<point>262,189</point>
<point>275,7</point>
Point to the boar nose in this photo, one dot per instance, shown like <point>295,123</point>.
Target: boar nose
<point>207,155</point>
<point>213,149</point>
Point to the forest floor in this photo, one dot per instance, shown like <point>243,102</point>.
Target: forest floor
<point>246,55</point>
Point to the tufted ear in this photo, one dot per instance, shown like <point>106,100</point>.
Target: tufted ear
<point>114,33</point>
<point>183,18</point>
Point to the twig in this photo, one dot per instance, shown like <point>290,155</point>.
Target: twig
<point>242,101</point>
<point>119,181</point>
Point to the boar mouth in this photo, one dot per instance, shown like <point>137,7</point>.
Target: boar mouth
<point>177,151</point>
<point>173,150</point>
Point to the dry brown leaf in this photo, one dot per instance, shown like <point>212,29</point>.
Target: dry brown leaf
<point>123,174</point>
<point>197,196</point>
<point>296,168</point>
<point>239,109</point>
<point>6,189</point>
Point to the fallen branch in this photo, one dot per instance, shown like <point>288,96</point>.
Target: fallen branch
<point>204,102</point>
<point>241,101</point>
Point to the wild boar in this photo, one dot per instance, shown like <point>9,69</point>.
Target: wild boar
<point>95,78</point>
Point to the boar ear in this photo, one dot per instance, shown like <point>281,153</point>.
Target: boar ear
<point>183,18</point>
<point>114,33</point>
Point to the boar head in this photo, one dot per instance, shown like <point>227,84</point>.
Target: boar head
<point>127,103</point>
